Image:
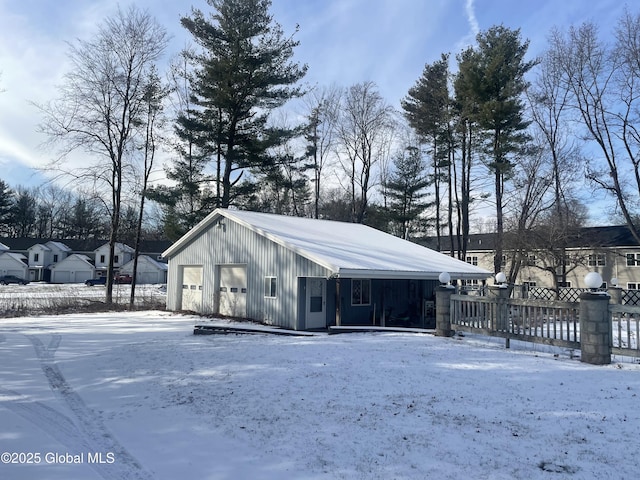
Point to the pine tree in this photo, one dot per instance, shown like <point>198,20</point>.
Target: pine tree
<point>426,108</point>
<point>243,72</point>
<point>406,192</point>
<point>6,201</point>
<point>495,76</point>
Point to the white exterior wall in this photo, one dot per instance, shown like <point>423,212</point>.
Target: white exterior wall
<point>43,252</point>
<point>148,271</point>
<point>103,251</point>
<point>72,270</point>
<point>13,264</point>
<point>236,244</point>
<point>615,267</point>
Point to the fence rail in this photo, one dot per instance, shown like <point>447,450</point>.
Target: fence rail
<point>528,320</point>
<point>625,326</point>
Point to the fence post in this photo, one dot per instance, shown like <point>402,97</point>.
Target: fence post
<point>443,310</point>
<point>595,328</point>
<point>501,317</point>
<point>616,295</point>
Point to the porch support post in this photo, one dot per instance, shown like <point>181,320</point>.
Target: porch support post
<point>595,329</point>
<point>443,310</point>
<point>338,306</point>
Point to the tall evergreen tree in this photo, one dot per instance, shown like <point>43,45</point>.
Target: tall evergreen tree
<point>6,200</point>
<point>426,107</point>
<point>495,74</point>
<point>243,72</point>
<point>23,213</point>
<point>406,192</point>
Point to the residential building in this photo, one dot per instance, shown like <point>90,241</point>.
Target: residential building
<point>303,273</point>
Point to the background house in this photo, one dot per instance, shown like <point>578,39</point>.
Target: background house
<point>609,250</point>
<point>303,273</point>
<point>149,270</point>
<point>76,268</point>
<point>121,255</point>
<point>41,258</point>
<point>14,264</point>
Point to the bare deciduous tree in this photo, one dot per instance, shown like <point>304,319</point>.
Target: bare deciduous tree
<point>324,107</point>
<point>364,134</point>
<point>101,103</point>
<point>603,81</point>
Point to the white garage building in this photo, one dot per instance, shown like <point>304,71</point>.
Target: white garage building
<point>302,273</point>
<point>76,268</point>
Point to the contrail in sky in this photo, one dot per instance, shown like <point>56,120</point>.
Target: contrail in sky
<point>471,17</point>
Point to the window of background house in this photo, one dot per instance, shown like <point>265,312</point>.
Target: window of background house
<point>633,259</point>
<point>270,287</point>
<point>472,260</point>
<point>597,260</point>
<point>632,286</point>
<point>36,257</point>
<point>101,258</point>
<point>360,292</point>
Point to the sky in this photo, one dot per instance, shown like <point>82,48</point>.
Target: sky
<point>157,402</point>
<point>343,42</point>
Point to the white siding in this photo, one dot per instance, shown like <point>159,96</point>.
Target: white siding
<point>232,243</point>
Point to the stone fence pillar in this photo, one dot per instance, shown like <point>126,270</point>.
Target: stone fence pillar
<point>616,295</point>
<point>595,329</point>
<point>501,314</point>
<point>443,310</point>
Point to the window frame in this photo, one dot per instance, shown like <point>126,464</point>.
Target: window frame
<point>270,286</point>
<point>633,259</point>
<point>597,260</point>
<point>365,293</point>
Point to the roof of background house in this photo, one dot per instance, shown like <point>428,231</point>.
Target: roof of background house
<point>23,244</point>
<point>585,237</point>
<point>347,249</point>
<point>16,256</point>
<point>72,257</point>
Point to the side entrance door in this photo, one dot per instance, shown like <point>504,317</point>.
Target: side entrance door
<point>316,304</point>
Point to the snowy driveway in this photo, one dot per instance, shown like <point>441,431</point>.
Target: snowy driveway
<point>137,396</point>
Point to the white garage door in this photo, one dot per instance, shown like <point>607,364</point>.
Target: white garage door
<point>82,277</point>
<point>192,289</point>
<point>61,277</point>
<point>233,290</point>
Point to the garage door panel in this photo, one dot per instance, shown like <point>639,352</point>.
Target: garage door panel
<point>233,290</point>
<point>192,289</point>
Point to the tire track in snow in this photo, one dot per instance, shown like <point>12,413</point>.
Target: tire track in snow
<point>48,419</point>
<point>90,427</point>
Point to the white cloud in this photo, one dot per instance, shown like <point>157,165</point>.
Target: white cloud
<point>471,17</point>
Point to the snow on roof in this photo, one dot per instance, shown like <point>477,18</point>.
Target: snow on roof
<point>347,249</point>
<point>59,245</point>
<point>148,259</point>
<point>71,258</point>
<point>16,256</point>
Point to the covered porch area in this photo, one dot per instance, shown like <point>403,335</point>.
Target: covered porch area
<point>366,301</point>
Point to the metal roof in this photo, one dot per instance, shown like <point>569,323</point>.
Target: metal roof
<point>349,250</point>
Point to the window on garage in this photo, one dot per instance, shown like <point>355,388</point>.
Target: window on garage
<point>360,292</point>
<point>270,287</point>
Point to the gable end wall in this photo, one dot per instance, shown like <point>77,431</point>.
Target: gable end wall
<point>236,244</point>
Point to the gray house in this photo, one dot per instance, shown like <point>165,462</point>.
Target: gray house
<point>303,273</point>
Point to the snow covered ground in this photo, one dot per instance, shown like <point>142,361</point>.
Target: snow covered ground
<point>138,396</point>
